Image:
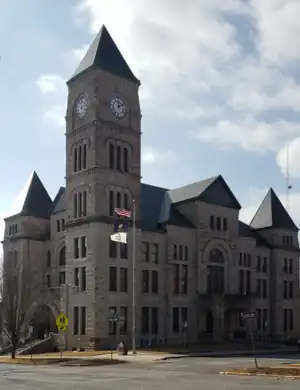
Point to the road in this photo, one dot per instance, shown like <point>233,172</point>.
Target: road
<point>179,374</point>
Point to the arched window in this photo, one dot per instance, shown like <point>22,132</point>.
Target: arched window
<point>119,200</point>
<point>125,156</point>
<point>218,223</point>
<point>216,256</point>
<point>111,156</point>
<point>79,158</point>
<point>119,158</point>
<point>62,256</point>
<point>75,159</point>
<point>111,203</point>
<point>84,156</point>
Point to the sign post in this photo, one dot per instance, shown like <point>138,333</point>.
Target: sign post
<point>250,317</point>
<point>62,323</point>
<point>114,318</point>
<point>30,331</point>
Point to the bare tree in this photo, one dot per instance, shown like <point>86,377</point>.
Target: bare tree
<point>20,290</point>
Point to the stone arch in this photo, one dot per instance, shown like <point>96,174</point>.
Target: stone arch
<point>43,319</point>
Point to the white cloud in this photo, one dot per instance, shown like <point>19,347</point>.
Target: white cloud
<point>50,83</point>
<point>152,156</point>
<point>55,116</point>
<point>290,155</point>
<point>205,66</point>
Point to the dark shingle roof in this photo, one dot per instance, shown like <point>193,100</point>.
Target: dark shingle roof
<point>272,214</point>
<point>104,54</point>
<point>213,191</point>
<point>37,202</point>
<point>152,198</point>
<point>246,231</point>
<point>59,201</point>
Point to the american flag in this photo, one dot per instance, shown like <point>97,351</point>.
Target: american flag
<point>123,213</point>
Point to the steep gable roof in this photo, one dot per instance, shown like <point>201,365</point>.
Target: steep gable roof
<point>59,201</point>
<point>104,54</point>
<point>33,200</point>
<point>272,214</point>
<point>213,191</point>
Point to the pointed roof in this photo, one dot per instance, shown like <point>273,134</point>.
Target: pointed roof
<point>33,200</point>
<point>104,54</point>
<point>272,214</point>
<point>213,190</point>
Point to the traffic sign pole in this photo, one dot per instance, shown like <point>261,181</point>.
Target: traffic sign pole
<point>250,317</point>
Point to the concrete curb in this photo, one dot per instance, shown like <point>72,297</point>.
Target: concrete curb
<point>235,373</point>
<point>227,354</point>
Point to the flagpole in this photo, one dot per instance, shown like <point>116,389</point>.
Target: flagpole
<point>133,280</point>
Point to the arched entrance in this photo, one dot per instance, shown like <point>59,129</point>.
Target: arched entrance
<point>209,322</point>
<point>43,322</point>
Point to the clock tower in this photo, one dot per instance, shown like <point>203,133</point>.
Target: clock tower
<point>103,170</point>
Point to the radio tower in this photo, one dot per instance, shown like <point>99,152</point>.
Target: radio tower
<point>288,184</point>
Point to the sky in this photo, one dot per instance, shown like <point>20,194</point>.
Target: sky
<point>220,90</point>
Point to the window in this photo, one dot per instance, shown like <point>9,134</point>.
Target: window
<point>180,252</point>
<point>224,224</point>
<point>76,320</point>
<point>125,150</point>
<point>291,290</point>
<point>285,320</point>
<point>84,204</point>
<point>264,290</point>
<point>84,156</point>
<point>218,223</point>
<point>119,158</point>
<point>184,314</point>
<point>76,277</point>
<point>62,256</point>
<point>285,265</point>
<point>83,279</point>
<point>75,205</point>
<point>184,279</point>
<point>175,319</point>
<point>264,265</point>
<point>48,259</point>
<point>126,203</point>
<point>145,320</point>
<point>145,251</point>
<point>154,320</point>
<point>62,277</point>
<point>186,253</point>
<point>123,251</point>
<point>145,281</point>
<point>112,249</point>
<point>111,156</point>
<point>285,287</point>
<point>76,248</point>
<point>154,253</point>
<point>154,282</point>
<point>291,319</point>
<point>83,247</point>
<point>63,224</point>
<point>265,319</point>
<point>111,203</point>
<point>176,276</point>
<point>248,282</point>
<point>258,319</point>
<point>174,252</point>
<point>112,325</point>
<point>112,279</point>
<point>58,226</point>
<point>83,321</point>
<point>258,263</point>
<point>48,280</point>
<point>123,279</point>
<point>119,204</point>
<point>241,281</point>
<point>291,266</point>
<point>212,222</point>
<point>79,158</point>
<point>123,320</point>
<point>75,160</point>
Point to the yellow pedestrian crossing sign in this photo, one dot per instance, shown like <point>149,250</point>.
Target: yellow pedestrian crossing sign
<point>62,322</point>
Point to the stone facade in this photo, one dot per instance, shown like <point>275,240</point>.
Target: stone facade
<point>197,266</point>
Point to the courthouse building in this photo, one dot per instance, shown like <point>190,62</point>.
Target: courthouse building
<point>197,266</point>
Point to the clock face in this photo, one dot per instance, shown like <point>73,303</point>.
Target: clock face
<point>118,107</point>
<point>82,105</point>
